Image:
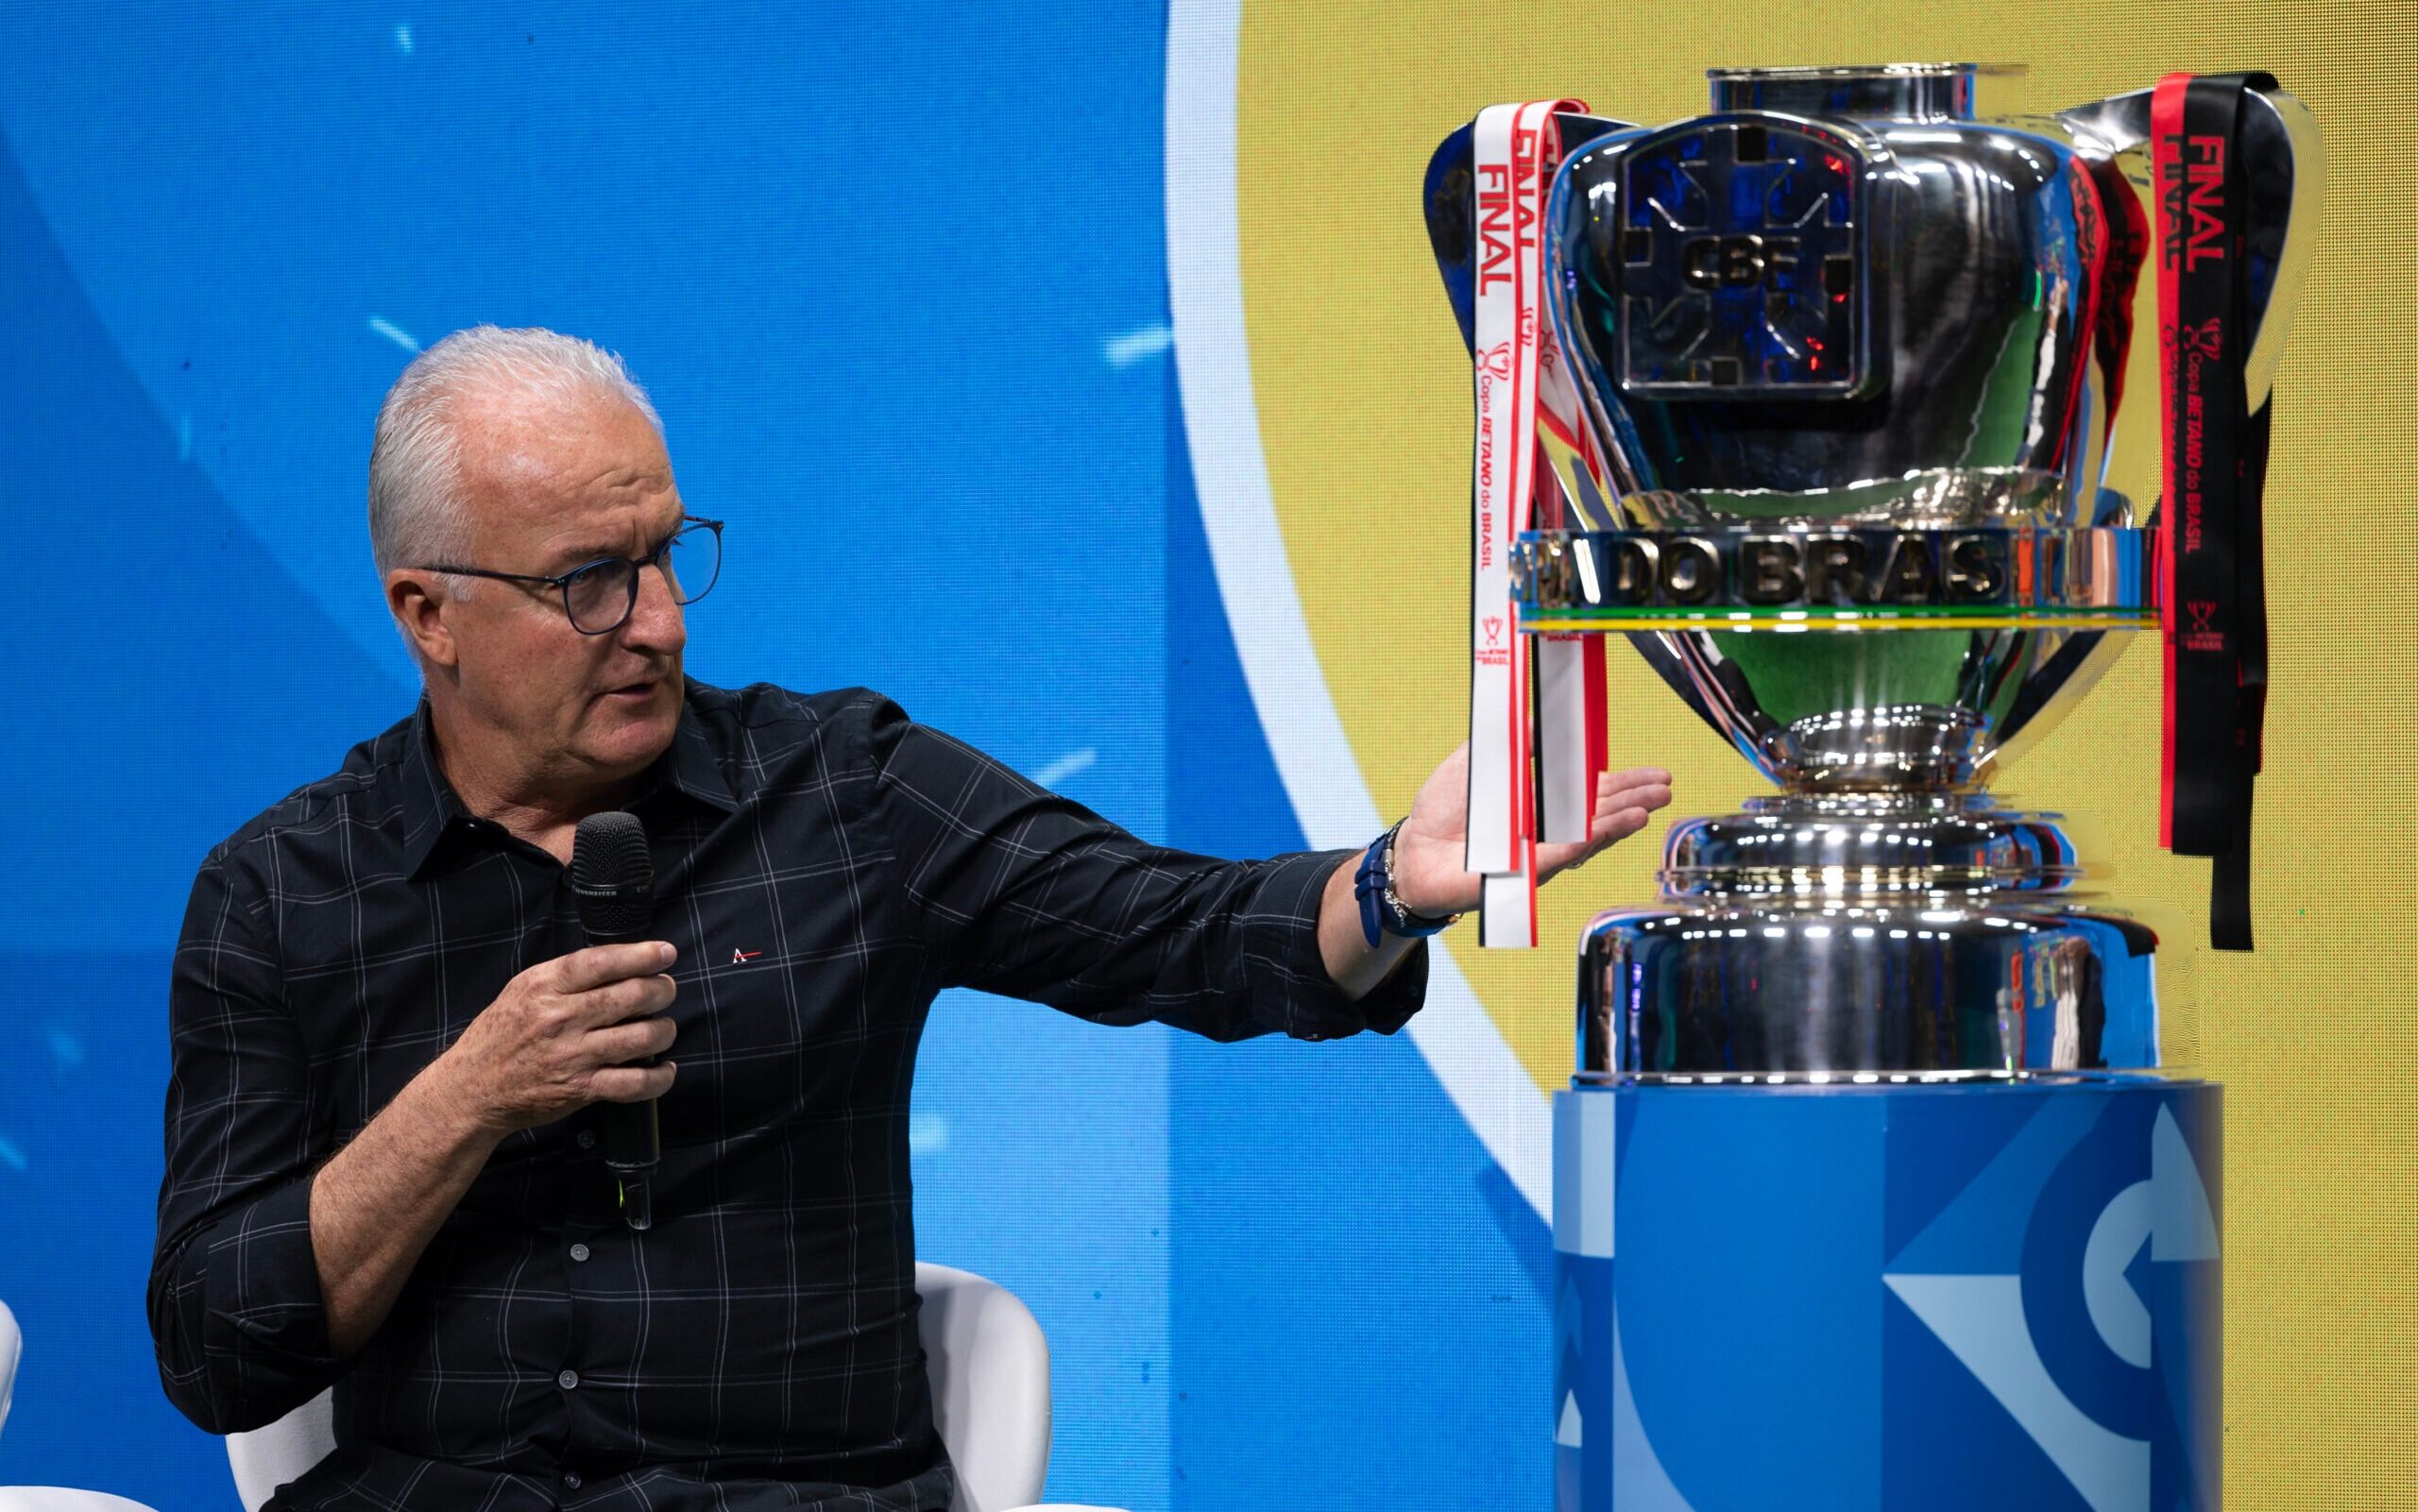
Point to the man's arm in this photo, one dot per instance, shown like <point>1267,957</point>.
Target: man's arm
<point>552,1044</point>
<point>1015,890</point>
<point>1019,891</point>
<point>260,1284</point>
<point>234,1307</point>
<point>1428,875</point>
<point>375,1207</point>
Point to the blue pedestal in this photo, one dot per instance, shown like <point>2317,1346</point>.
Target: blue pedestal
<point>1902,1297</point>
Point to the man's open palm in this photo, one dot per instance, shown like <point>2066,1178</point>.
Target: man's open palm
<point>1429,876</point>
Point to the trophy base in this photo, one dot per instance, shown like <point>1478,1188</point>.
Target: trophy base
<point>1919,986</point>
<point>1858,937</point>
<point>1983,1295</point>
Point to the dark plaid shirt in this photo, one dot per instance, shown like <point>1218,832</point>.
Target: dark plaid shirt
<point>824,866</point>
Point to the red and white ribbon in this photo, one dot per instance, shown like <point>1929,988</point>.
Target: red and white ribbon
<point>1528,740</point>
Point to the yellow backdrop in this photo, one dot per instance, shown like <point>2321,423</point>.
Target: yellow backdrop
<point>1362,390</point>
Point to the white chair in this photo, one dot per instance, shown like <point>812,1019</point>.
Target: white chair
<point>42,1498</point>
<point>12,1345</point>
<point>989,1367</point>
<point>988,1361</point>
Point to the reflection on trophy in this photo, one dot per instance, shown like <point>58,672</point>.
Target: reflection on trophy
<point>1839,369</point>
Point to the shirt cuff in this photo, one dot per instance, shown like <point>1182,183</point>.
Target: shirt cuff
<point>266,1317</point>
<point>1282,945</point>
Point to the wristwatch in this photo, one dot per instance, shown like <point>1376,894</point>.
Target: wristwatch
<point>1381,909</point>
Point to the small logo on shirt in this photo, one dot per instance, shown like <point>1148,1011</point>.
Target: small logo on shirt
<point>741,957</point>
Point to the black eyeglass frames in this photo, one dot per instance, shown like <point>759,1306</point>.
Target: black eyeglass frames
<point>598,596</point>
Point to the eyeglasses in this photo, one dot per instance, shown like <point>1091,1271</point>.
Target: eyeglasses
<point>598,596</point>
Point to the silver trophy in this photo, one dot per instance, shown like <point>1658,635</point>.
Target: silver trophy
<point>1850,359</point>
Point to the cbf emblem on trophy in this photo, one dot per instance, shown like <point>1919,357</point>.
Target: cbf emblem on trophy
<point>1742,274</point>
<point>1812,398</point>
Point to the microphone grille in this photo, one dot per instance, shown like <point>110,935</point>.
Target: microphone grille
<point>612,872</point>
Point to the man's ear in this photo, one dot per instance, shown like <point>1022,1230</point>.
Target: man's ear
<point>418,600</point>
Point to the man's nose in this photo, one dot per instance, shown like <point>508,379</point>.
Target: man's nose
<point>656,623</point>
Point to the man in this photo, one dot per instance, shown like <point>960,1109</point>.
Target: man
<point>390,1050</point>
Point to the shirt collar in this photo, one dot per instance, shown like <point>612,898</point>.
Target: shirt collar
<point>431,808</point>
<point>690,765</point>
<point>432,811</point>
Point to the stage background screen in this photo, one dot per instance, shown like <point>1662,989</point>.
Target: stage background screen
<point>1044,363</point>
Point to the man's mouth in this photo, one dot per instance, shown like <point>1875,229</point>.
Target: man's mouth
<point>634,690</point>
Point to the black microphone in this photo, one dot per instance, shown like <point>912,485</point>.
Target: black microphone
<point>614,880</point>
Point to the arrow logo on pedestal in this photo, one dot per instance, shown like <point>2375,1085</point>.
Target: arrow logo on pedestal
<point>1979,1318</point>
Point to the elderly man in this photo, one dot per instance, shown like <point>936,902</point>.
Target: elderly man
<point>391,1050</point>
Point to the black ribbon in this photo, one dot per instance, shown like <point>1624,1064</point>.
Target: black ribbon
<point>2215,474</point>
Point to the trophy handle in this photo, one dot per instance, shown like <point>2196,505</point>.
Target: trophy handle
<point>2285,170</point>
<point>1447,195</point>
<point>1452,211</point>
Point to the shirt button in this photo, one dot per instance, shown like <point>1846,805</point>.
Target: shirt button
<point>587,1139</point>
<point>568,1380</point>
<point>579,1251</point>
<point>571,1480</point>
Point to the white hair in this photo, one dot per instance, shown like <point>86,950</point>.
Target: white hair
<point>418,514</point>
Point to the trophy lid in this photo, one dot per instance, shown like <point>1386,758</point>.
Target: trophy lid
<point>1892,91</point>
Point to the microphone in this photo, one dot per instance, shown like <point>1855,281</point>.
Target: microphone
<point>613,878</point>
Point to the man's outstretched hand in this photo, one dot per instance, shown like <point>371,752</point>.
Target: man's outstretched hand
<point>1428,853</point>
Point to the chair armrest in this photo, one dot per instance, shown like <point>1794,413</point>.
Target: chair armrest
<point>263,1459</point>
<point>59,1498</point>
<point>12,1346</point>
<point>989,1367</point>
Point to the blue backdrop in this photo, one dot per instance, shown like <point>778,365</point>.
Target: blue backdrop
<point>896,282</point>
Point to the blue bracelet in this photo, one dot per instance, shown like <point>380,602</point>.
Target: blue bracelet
<point>1369,886</point>
<point>1380,912</point>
